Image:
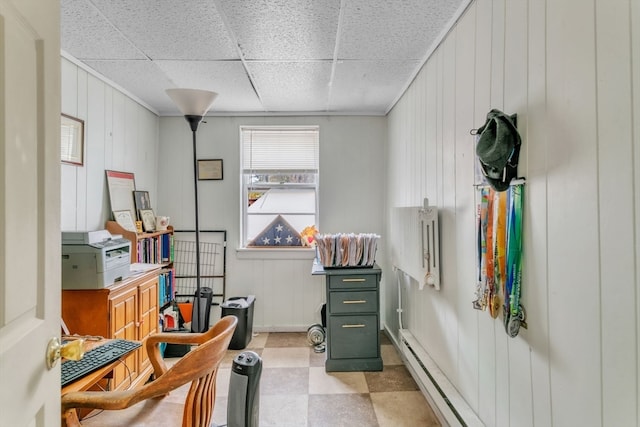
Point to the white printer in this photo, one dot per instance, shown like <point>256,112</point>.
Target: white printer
<point>94,259</point>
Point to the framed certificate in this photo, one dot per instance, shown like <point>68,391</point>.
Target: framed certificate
<point>210,169</point>
<point>125,220</point>
<point>148,220</point>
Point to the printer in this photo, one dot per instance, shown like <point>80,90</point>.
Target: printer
<point>94,259</point>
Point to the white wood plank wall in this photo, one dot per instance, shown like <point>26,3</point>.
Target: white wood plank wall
<point>120,134</point>
<point>570,69</point>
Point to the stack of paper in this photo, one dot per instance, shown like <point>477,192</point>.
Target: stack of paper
<point>347,250</point>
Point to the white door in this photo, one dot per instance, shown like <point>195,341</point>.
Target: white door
<point>29,210</point>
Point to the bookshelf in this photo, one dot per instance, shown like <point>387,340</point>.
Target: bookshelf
<point>153,248</point>
<point>148,248</point>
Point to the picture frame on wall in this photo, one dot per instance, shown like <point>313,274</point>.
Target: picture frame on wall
<point>148,220</point>
<point>141,201</point>
<point>125,220</point>
<point>209,169</point>
<point>71,140</point>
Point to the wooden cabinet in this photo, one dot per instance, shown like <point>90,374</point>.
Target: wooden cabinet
<point>353,317</point>
<point>152,248</point>
<point>127,310</point>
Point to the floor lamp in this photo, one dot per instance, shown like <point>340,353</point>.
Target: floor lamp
<point>194,104</point>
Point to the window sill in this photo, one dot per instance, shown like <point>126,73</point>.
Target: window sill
<point>276,253</point>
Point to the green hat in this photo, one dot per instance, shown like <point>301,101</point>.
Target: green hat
<point>498,149</point>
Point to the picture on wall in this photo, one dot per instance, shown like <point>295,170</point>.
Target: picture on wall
<point>71,140</point>
<point>210,169</point>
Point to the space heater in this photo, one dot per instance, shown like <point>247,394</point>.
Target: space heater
<point>244,390</point>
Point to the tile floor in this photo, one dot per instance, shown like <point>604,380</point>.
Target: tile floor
<point>295,391</point>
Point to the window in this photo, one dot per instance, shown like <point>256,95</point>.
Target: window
<point>279,177</point>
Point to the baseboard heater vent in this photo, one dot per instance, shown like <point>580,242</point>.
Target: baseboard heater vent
<point>448,401</point>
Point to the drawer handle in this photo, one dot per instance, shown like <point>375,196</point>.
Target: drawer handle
<point>355,301</point>
<point>354,280</point>
<point>354,326</point>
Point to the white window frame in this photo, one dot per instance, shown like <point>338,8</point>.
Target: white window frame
<point>270,252</point>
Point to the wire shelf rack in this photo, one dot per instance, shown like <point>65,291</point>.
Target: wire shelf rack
<point>212,263</point>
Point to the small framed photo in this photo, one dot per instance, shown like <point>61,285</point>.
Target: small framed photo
<point>125,220</point>
<point>210,169</point>
<point>71,140</point>
<point>148,220</point>
<point>141,200</point>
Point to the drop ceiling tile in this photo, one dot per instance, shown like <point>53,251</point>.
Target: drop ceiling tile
<point>397,29</point>
<point>86,34</point>
<point>142,78</point>
<point>191,30</point>
<point>369,86</point>
<point>227,78</point>
<point>283,29</point>
<point>292,86</point>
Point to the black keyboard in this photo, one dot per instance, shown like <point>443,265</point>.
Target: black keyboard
<point>95,359</point>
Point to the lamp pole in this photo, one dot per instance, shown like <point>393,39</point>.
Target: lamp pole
<point>194,104</point>
<point>194,121</point>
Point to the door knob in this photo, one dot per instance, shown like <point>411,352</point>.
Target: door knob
<point>73,350</point>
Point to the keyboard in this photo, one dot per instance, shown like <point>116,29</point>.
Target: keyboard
<point>96,358</point>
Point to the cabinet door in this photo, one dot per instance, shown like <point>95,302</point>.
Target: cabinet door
<point>148,300</point>
<point>124,315</point>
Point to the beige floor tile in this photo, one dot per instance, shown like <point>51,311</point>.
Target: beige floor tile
<point>391,378</point>
<point>258,340</point>
<point>284,381</point>
<point>222,382</point>
<point>295,357</point>
<point>287,339</point>
<point>390,355</point>
<point>284,410</point>
<point>346,410</point>
<point>219,411</point>
<point>149,413</point>
<point>321,382</point>
<point>403,409</point>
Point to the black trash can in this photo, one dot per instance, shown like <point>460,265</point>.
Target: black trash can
<point>242,308</point>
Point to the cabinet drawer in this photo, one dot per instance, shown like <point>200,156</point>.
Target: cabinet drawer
<point>353,302</point>
<point>353,337</point>
<point>353,281</point>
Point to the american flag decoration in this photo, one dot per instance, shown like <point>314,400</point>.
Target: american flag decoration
<point>278,233</point>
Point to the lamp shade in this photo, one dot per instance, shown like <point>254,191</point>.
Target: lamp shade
<point>192,102</point>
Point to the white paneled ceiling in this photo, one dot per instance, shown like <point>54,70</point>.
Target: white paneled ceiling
<point>261,56</point>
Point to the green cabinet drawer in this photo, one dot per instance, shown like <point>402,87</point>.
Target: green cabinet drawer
<point>353,302</point>
<point>353,337</point>
<point>352,281</point>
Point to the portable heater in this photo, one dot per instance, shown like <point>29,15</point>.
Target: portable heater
<point>244,390</point>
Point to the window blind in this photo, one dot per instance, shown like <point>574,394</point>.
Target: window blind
<point>280,149</point>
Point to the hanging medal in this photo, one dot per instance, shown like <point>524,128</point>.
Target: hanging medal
<point>500,248</point>
<point>481,289</point>
<point>515,315</point>
<point>490,253</point>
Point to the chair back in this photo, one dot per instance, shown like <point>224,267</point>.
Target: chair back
<point>199,366</point>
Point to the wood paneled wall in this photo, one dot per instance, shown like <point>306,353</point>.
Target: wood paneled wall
<point>120,134</point>
<point>570,69</point>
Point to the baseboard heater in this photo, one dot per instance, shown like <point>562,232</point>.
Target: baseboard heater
<point>453,408</point>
